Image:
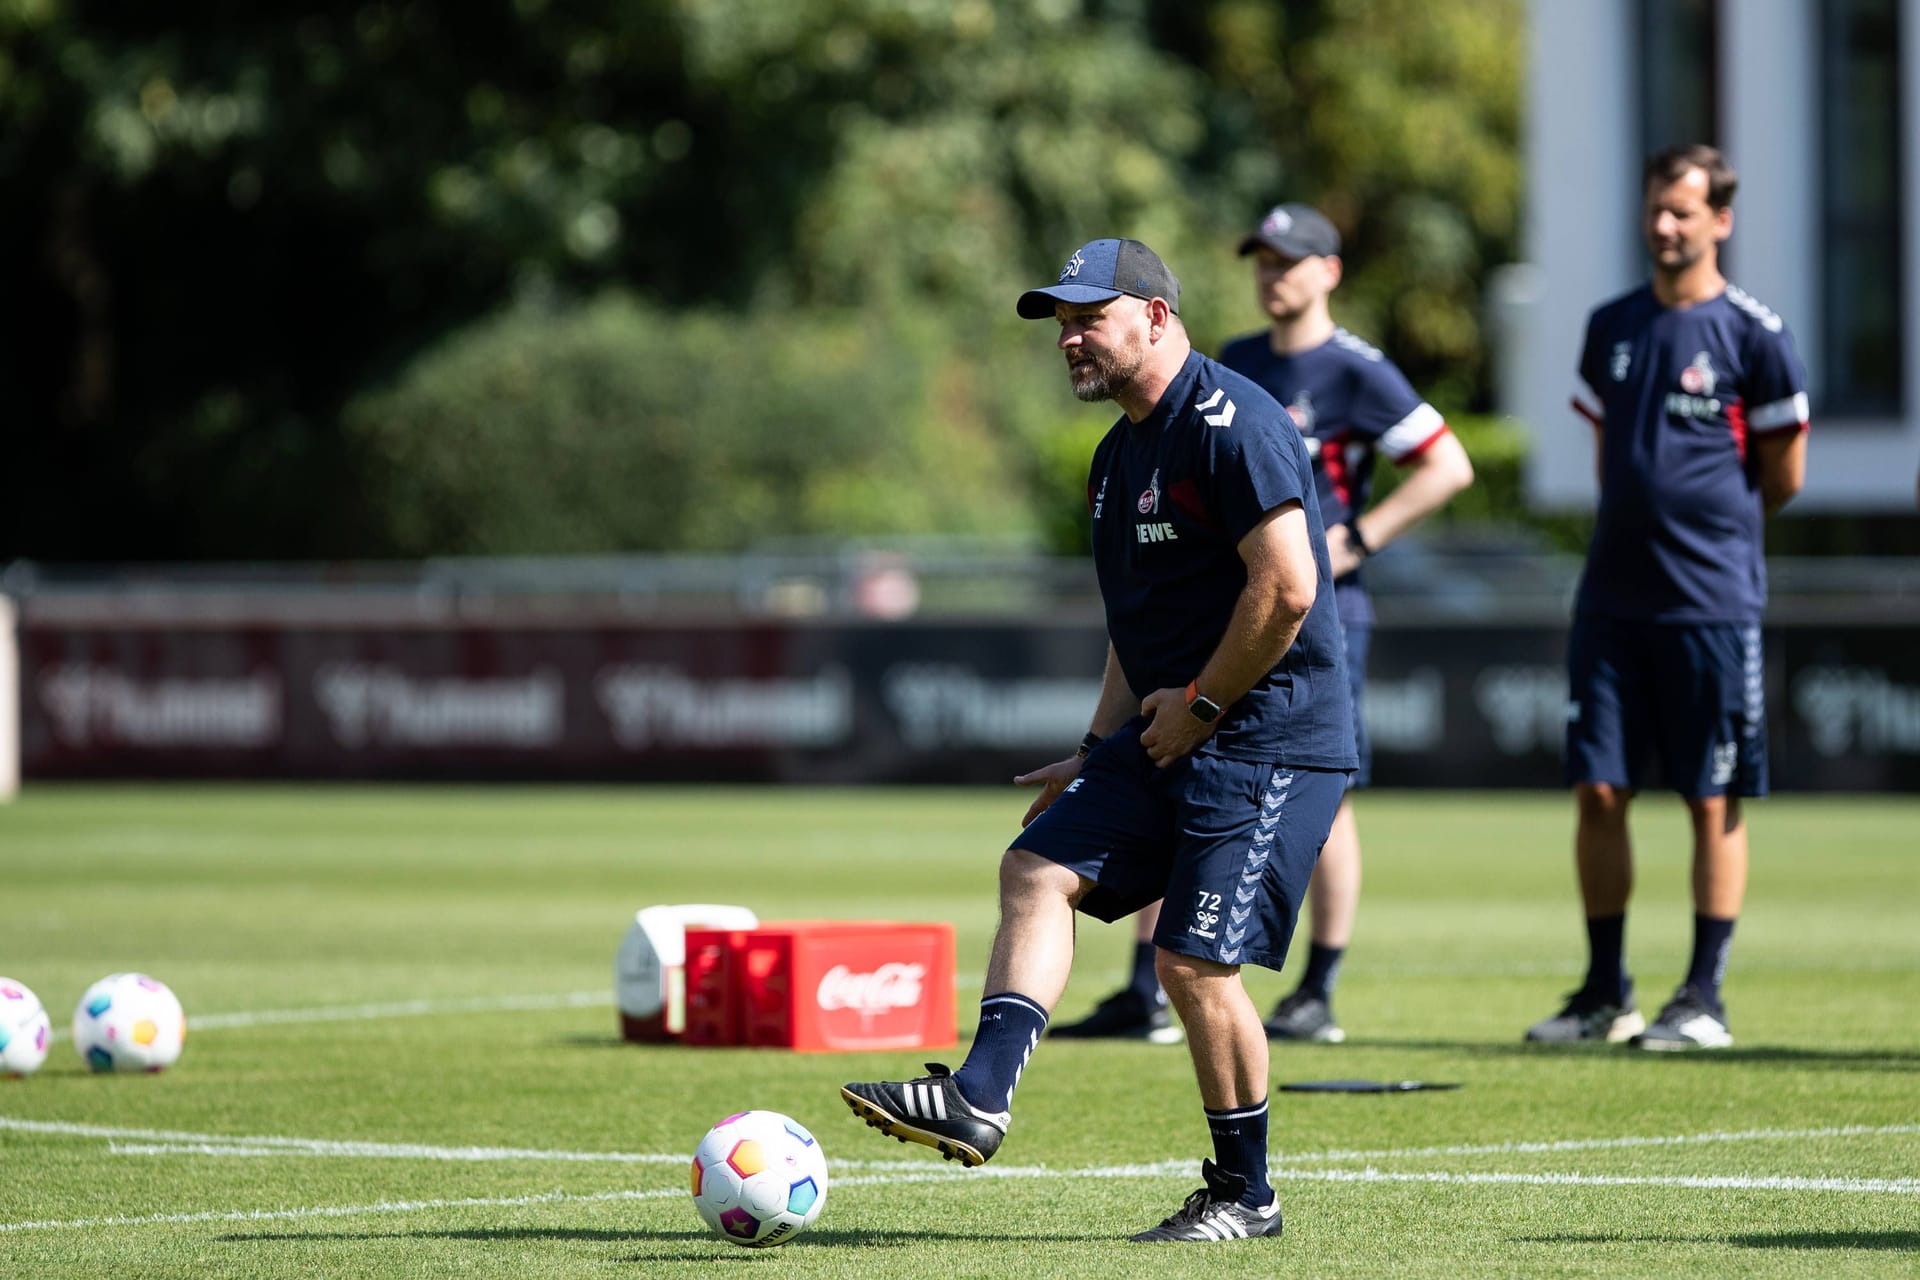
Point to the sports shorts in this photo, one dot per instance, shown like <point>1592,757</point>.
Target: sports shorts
<point>1690,695</point>
<point>1230,844</point>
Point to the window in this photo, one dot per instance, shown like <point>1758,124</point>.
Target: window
<point>1679,81</point>
<point>1861,296</point>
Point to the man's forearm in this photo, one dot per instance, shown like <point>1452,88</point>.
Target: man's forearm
<point>1428,484</point>
<point>1260,631</point>
<point>1117,704</point>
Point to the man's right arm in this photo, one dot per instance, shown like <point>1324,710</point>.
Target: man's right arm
<point>1782,466</point>
<point>1587,402</point>
<point>1116,705</point>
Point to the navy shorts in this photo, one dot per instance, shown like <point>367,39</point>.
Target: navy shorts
<point>1691,695</point>
<point>1359,640</point>
<point>1230,845</point>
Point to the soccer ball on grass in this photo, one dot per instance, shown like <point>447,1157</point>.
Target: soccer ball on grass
<point>25,1029</point>
<point>129,1022</point>
<point>759,1178</point>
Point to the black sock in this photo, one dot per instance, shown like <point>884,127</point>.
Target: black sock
<point>1010,1029</point>
<point>1323,970</point>
<point>1145,979</point>
<point>1240,1146</point>
<point>1712,939</point>
<point>1606,951</point>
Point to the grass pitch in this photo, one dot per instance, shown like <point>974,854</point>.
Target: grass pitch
<point>403,1059</point>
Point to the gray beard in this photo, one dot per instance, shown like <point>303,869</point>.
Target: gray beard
<point>1105,383</point>
<point>1094,391</point>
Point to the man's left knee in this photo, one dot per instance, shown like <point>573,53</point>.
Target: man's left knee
<point>1025,875</point>
<point>1185,973</point>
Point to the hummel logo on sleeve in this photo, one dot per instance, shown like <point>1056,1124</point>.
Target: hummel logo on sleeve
<point>1224,418</point>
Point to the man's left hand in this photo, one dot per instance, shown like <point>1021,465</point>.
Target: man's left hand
<point>1175,731</point>
<point>1342,559</point>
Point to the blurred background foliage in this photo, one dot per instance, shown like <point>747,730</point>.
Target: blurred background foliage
<point>414,277</point>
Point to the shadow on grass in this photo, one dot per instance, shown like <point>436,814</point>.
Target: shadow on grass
<point>819,1237</point>
<point>468,1233</point>
<point>1893,1241</point>
<point>585,1041</point>
<point>1764,1055</point>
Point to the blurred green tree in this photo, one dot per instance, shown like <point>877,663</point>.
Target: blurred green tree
<point>248,248</point>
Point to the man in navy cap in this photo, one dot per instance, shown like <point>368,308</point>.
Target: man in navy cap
<point>1216,756</point>
<point>1351,406</point>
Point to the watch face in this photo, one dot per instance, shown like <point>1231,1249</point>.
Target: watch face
<point>1205,709</point>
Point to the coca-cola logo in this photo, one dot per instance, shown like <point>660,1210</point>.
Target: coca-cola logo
<point>891,986</point>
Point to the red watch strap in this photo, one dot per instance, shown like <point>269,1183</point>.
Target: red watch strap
<point>1193,690</point>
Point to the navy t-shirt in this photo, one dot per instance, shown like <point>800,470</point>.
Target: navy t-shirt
<point>1349,402</point>
<point>1677,393</point>
<point>1172,496</point>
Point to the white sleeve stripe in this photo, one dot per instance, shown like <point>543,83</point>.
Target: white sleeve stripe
<point>1412,431</point>
<point>1790,412</point>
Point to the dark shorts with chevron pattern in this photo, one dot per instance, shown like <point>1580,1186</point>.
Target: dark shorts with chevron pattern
<point>1230,845</point>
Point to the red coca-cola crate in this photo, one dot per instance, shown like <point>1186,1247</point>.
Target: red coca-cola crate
<point>822,985</point>
<point>712,1012</point>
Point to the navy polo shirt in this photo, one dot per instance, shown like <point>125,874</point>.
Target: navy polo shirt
<point>1171,498</point>
<point>1677,394</point>
<point>1349,403</point>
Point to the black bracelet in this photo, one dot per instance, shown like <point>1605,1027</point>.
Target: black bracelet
<point>1356,540</point>
<point>1087,744</point>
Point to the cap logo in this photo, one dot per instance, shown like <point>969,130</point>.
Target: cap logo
<point>1278,223</point>
<point>1073,266</point>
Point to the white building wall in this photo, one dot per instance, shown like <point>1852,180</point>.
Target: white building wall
<point>1581,240</point>
<point>1582,169</point>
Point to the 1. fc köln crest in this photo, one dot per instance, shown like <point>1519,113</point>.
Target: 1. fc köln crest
<point>1150,499</point>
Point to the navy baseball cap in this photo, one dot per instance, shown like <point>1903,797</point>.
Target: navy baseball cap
<point>1294,231</point>
<point>1103,269</point>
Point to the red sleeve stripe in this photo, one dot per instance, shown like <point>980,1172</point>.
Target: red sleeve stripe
<point>1412,433</point>
<point>1588,412</point>
<point>1424,445</point>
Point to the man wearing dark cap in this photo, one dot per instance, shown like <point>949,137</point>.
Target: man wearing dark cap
<point>1351,405</point>
<point>1217,754</point>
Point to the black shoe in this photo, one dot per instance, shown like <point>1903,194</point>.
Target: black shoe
<point>1124,1015</point>
<point>1689,1021</point>
<point>931,1112</point>
<point>1590,1017</point>
<point>1214,1212</point>
<point>1303,1017</point>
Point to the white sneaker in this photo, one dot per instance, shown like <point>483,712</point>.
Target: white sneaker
<point>1689,1021</point>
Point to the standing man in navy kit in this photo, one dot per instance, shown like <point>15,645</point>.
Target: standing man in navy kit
<point>1699,405</point>
<point>1217,754</point>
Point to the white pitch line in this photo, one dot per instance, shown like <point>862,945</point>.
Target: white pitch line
<point>1603,1144</point>
<point>1734,1182</point>
<point>1897,1186</point>
<point>269,1145</point>
<point>391,1009</point>
<point>174,1142</point>
<point>331,1211</point>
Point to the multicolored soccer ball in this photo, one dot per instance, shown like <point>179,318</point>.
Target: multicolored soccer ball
<point>25,1029</point>
<point>129,1022</point>
<point>759,1178</point>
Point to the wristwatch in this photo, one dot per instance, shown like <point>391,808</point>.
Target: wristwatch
<point>1204,709</point>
